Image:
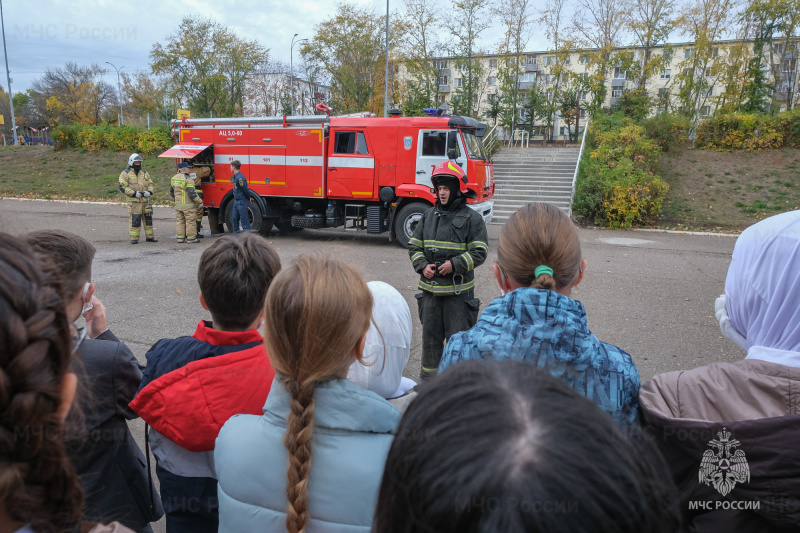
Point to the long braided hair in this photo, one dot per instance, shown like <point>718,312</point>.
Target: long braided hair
<point>317,313</point>
<point>38,484</point>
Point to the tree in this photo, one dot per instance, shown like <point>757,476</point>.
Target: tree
<point>421,46</point>
<point>144,95</point>
<point>76,94</point>
<point>205,66</point>
<point>705,22</point>
<point>518,25</point>
<point>349,50</point>
<point>467,21</point>
<point>651,22</point>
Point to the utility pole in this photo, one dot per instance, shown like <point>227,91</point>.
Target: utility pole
<point>386,74</point>
<point>8,76</point>
<point>291,68</point>
<point>119,88</point>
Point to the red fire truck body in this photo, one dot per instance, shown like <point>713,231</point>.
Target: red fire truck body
<point>360,172</point>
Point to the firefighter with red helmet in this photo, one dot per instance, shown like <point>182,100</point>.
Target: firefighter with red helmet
<point>448,243</point>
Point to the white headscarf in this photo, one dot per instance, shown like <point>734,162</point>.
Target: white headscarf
<point>384,376</point>
<point>763,289</point>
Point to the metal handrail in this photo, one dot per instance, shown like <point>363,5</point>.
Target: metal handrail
<point>524,135</point>
<point>490,141</point>
<point>577,166</point>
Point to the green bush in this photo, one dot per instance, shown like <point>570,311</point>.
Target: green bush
<point>124,138</point>
<point>617,185</point>
<point>725,132</point>
<point>668,130</point>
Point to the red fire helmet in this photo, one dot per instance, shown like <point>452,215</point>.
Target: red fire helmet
<point>450,169</point>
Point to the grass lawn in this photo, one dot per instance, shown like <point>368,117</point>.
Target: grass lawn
<point>41,172</point>
<point>728,190</point>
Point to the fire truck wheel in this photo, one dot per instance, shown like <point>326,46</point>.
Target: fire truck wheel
<point>257,223</point>
<point>407,219</point>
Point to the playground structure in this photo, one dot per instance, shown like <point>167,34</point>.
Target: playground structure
<point>29,136</point>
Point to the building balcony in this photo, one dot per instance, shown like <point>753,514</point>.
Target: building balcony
<point>444,72</point>
<point>532,67</point>
<point>524,85</point>
<point>444,88</point>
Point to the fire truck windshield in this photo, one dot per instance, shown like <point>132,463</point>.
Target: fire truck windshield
<point>474,146</point>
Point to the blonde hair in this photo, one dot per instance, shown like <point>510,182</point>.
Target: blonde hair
<point>316,313</point>
<point>539,234</point>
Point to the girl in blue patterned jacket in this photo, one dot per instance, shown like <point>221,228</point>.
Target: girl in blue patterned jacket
<point>538,264</point>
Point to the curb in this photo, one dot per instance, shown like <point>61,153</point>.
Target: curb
<point>679,232</point>
<point>71,201</point>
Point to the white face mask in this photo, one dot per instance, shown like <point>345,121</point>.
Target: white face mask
<point>87,306</point>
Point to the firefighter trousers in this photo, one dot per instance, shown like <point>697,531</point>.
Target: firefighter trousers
<point>441,317</point>
<point>136,212</point>
<point>186,226</point>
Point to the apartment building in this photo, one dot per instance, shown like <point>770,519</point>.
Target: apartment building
<point>708,70</point>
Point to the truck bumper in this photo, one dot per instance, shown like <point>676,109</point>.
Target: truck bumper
<point>484,209</point>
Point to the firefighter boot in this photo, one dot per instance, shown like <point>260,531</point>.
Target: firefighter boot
<point>151,239</point>
<point>199,227</point>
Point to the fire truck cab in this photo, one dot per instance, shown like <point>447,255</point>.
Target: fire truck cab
<point>359,172</point>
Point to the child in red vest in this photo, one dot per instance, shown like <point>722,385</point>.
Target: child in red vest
<point>193,385</point>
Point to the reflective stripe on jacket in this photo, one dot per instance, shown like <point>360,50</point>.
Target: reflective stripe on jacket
<point>457,235</point>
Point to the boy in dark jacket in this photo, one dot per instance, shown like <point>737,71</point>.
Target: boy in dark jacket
<point>193,385</point>
<point>109,463</point>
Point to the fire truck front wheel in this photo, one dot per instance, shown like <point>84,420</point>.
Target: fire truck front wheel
<point>407,220</point>
<point>257,222</point>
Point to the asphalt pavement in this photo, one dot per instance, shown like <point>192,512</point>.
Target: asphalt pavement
<point>649,293</point>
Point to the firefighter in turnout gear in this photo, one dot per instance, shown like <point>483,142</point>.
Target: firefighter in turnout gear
<point>196,180</point>
<point>186,203</point>
<point>448,243</point>
<point>137,185</point>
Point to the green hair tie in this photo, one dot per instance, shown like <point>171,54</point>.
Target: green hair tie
<point>541,269</point>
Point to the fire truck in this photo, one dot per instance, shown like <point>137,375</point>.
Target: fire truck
<point>359,172</point>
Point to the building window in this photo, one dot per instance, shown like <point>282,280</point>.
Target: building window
<point>492,63</point>
<point>440,63</point>
<point>616,93</point>
<point>457,82</point>
<point>583,113</point>
<point>688,72</point>
<point>443,80</point>
<point>582,96</point>
<point>660,110</point>
<point>665,74</point>
<point>568,60</point>
<point>491,97</point>
<point>663,92</point>
<point>492,81</point>
<point>528,76</point>
<point>584,59</point>
<point>715,51</point>
<point>548,60</point>
<point>705,110</point>
<point>688,53</point>
<point>442,98</point>
<point>710,92</point>
<point>619,73</point>
<point>667,56</point>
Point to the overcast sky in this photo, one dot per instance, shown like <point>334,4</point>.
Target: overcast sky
<point>48,33</point>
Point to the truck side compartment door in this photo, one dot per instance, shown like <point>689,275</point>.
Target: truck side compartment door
<point>351,166</point>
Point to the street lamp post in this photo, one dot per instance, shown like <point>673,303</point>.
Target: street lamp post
<point>386,74</point>
<point>119,88</point>
<point>8,75</point>
<point>291,68</point>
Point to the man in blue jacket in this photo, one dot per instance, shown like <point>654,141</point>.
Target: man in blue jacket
<point>241,198</point>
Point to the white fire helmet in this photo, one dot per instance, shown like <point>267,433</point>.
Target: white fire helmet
<point>133,158</point>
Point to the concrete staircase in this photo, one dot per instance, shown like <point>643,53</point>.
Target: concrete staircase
<point>524,175</point>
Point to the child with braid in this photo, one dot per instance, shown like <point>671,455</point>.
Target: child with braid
<point>313,461</point>
<point>39,489</point>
